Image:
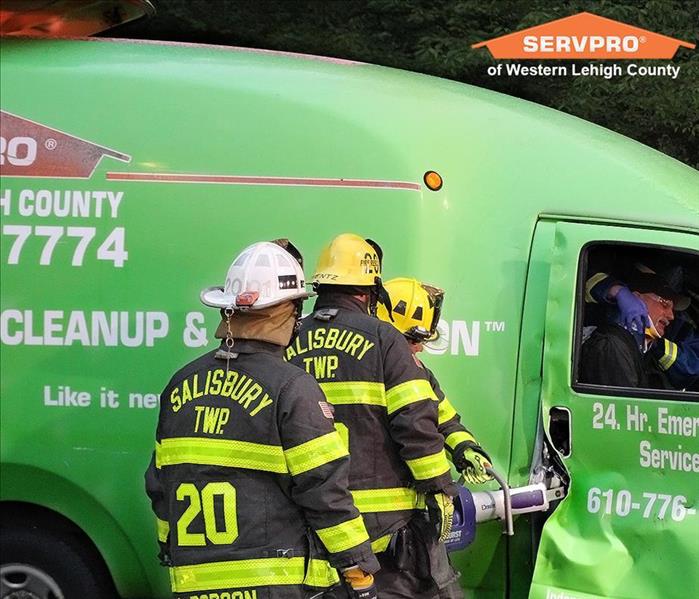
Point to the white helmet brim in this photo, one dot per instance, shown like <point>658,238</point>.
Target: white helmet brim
<point>215,297</point>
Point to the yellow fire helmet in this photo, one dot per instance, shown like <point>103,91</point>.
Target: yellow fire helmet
<point>416,308</point>
<point>349,260</point>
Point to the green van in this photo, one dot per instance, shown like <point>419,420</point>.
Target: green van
<point>133,172</point>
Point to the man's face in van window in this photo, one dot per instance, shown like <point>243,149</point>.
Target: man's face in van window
<point>659,310</point>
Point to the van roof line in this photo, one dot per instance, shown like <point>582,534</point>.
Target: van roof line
<point>221,47</point>
<point>601,220</point>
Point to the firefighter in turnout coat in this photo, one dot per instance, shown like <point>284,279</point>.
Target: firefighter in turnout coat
<point>416,308</point>
<point>249,478</point>
<point>387,413</point>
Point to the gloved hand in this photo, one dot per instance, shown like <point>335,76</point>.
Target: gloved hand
<point>472,460</point>
<point>440,512</point>
<point>362,584</point>
<point>634,312</point>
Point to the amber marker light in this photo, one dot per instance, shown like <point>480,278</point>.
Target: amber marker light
<point>433,180</point>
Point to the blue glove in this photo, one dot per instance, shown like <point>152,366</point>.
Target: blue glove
<point>634,313</point>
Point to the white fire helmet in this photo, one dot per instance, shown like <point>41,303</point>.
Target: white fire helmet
<point>263,275</point>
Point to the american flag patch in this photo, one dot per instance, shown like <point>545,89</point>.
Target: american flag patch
<point>327,409</point>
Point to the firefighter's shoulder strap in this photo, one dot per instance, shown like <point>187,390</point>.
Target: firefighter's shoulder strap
<point>325,314</point>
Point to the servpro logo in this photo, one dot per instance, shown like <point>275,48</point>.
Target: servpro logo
<point>580,44</point>
<point>30,149</point>
<point>583,36</point>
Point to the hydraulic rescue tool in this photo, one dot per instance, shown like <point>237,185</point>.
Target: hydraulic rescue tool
<point>471,508</point>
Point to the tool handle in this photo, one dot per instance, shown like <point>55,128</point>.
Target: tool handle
<point>508,528</point>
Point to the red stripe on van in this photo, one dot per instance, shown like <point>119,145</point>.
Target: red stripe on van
<point>248,180</point>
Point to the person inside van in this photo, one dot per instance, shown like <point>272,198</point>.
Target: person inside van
<point>677,354</point>
<point>618,353</point>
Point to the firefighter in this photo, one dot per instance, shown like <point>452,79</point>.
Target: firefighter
<point>249,477</point>
<point>386,412</point>
<point>416,308</point>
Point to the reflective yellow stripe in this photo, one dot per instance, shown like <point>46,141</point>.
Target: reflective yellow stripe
<point>271,571</point>
<point>591,282</point>
<point>163,530</point>
<point>354,392</point>
<point>158,449</point>
<point>454,439</point>
<point>220,452</point>
<point>446,411</point>
<point>314,453</point>
<point>344,535</point>
<point>387,500</point>
<point>670,355</point>
<point>320,574</point>
<point>407,393</point>
<point>673,357</point>
<point>429,466</point>
<point>381,544</point>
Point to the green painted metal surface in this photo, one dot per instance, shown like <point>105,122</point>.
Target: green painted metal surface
<point>629,526</point>
<point>227,113</point>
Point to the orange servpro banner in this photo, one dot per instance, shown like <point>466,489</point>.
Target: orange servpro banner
<point>583,36</point>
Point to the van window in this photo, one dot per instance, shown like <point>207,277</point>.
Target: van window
<point>637,316</point>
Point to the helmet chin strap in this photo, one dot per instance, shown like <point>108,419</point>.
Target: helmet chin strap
<point>297,325</point>
<point>380,295</point>
<point>227,354</point>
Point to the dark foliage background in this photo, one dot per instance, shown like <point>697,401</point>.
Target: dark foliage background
<point>435,37</point>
